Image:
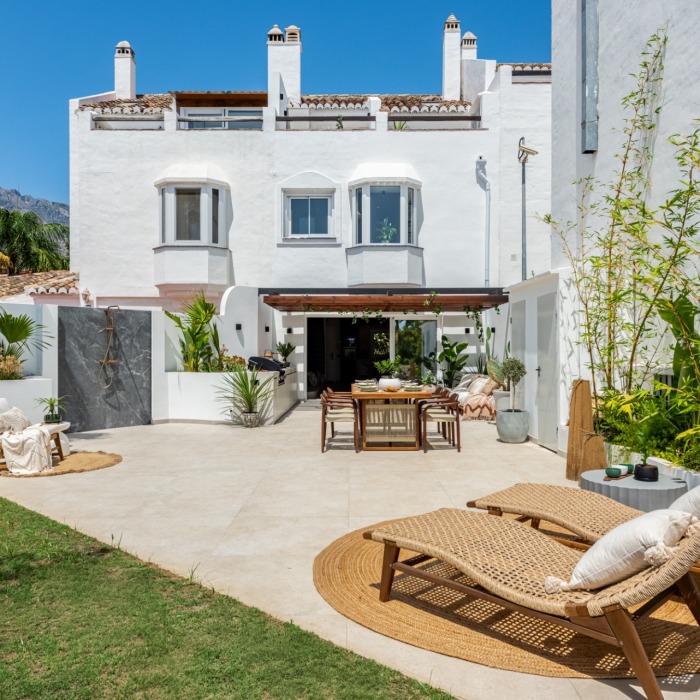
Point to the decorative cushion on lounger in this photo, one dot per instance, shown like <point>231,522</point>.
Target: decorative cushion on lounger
<point>482,385</point>
<point>467,380</point>
<point>14,421</point>
<point>648,540</point>
<point>689,502</point>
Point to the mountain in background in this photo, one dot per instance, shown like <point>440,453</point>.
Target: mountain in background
<point>50,212</point>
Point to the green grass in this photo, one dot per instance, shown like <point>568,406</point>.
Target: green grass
<point>79,619</point>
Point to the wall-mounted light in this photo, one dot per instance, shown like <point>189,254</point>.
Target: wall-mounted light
<point>267,329</point>
<point>289,331</point>
<point>493,330</point>
<point>239,326</point>
<point>467,331</point>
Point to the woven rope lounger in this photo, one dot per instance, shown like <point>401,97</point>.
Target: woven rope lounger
<point>586,514</point>
<point>506,564</point>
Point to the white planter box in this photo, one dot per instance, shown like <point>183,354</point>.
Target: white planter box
<point>692,478</point>
<point>194,396</point>
<point>23,393</point>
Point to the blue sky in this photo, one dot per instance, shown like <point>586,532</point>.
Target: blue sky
<point>53,51</point>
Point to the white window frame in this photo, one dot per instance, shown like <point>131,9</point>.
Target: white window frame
<point>222,112</point>
<point>167,206</point>
<point>287,224</point>
<point>367,212</point>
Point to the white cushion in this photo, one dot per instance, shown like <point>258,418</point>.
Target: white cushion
<point>14,421</point>
<point>689,502</point>
<point>648,540</point>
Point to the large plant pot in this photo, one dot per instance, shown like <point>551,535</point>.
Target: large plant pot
<point>512,426</point>
<point>250,420</point>
<point>386,382</point>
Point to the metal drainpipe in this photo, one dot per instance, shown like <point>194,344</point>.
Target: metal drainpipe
<point>485,183</point>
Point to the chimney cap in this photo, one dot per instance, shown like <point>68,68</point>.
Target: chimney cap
<point>123,48</point>
<point>469,39</point>
<point>293,33</point>
<point>451,23</point>
<point>275,35</point>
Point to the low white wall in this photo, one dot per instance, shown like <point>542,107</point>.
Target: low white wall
<point>194,396</point>
<point>23,393</point>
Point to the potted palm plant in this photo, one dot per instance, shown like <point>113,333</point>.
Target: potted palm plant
<point>512,424</point>
<point>243,392</point>
<point>54,407</point>
<point>284,350</point>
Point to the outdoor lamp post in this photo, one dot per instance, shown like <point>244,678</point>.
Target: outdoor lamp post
<point>524,152</point>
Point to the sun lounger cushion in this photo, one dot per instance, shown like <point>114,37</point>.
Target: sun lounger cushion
<point>689,502</point>
<point>648,540</point>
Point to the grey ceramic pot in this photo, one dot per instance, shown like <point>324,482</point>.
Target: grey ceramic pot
<point>512,426</point>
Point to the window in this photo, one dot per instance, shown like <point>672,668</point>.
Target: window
<point>187,214</point>
<point>215,216</point>
<point>391,216</point>
<point>358,215</point>
<point>385,214</point>
<point>308,216</point>
<point>227,118</point>
<point>192,215</point>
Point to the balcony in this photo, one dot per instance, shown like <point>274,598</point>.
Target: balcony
<point>385,265</point>
<point>186,266</point>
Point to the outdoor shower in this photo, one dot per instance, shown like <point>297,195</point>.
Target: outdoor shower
<point>109,329</point>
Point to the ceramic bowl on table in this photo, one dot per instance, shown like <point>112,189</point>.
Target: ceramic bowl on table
<point>613,472</point>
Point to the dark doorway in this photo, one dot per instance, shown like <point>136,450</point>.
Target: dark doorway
<point>342,350</point>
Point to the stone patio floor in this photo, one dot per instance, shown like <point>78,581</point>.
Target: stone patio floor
<point>246,512</point>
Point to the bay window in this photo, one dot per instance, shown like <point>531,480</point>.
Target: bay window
<point>390,214</point>
<point>192,214</point>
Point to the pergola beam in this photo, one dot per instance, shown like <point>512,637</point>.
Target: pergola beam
<point>385,303</point>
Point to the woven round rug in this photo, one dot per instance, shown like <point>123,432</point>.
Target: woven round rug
<point>438,619</point>
<point>73,463</point>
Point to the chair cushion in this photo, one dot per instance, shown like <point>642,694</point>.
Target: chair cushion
<point>14,421</point>
<point>689,502</point>
<point>648,540</point>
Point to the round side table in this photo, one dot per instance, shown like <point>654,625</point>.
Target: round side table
<point>642,495</point>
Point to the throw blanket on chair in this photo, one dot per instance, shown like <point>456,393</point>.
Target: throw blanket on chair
<point>28,452</point>
<point>478,407</point>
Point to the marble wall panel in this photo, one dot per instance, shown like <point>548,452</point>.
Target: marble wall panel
<point>104,389</point>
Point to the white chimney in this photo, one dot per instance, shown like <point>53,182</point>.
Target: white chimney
<point>284,61</point>
<point>469,46</point>
<point>124,72</point>
<point>451,63</point>
<point>477,73</point>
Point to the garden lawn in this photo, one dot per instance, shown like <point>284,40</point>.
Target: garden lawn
<point>79,619</point>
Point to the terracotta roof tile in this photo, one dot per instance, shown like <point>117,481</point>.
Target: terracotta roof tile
<point>144,104</point>
<point>528,66</point>
<point>390,103</point>
<point>54,282</point>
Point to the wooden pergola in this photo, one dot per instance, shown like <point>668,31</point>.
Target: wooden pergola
<point>386,303</point>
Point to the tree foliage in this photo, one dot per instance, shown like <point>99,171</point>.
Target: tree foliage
<point>31,245</point>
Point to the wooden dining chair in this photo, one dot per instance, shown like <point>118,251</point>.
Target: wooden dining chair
<point>445,414</point>
<point>339,410</point>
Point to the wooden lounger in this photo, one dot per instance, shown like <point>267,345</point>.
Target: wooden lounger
<point>506,564</point>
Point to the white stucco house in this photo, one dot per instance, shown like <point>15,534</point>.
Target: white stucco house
<point>596,47</point>
<point>294,211</point>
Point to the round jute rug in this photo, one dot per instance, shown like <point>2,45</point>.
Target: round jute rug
<point>435,618</point>
<point>72,464</point>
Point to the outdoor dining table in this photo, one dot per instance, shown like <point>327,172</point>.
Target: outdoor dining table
<point>389,419</point>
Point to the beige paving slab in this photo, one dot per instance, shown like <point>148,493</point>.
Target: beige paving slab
<point>246,511</point>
